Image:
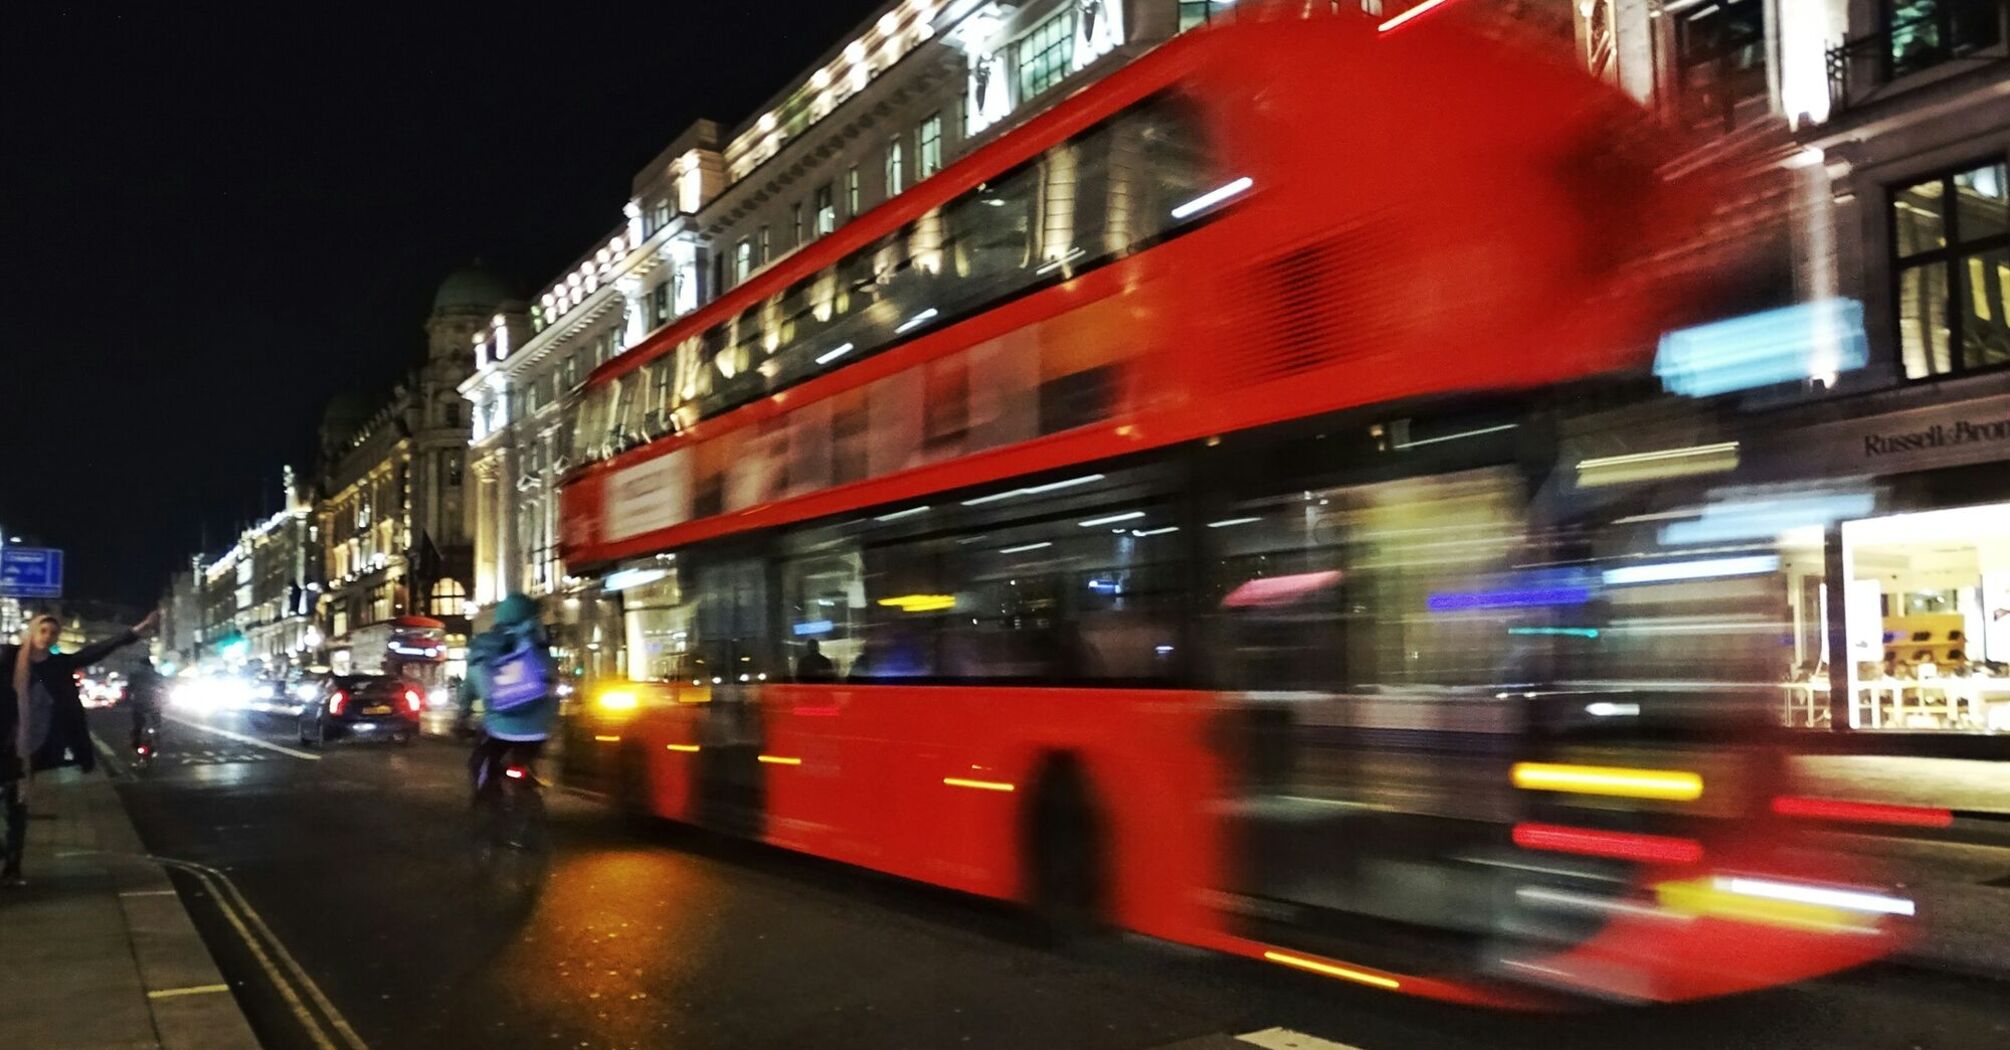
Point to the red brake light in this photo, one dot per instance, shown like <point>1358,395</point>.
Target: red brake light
<point>413,701</point>
<point>516,772</point>
<point>1621,845</point>
<point>338,701</point>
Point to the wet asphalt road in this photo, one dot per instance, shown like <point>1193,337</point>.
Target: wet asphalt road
<point>356,862</point>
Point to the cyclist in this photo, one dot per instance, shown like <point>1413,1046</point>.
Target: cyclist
<point>511,672</point>
<point>143,701</point>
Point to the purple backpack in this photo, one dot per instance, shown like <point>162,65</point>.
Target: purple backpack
<point>518,677</point>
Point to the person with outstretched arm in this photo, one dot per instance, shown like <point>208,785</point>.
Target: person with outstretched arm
<point>42,719</point>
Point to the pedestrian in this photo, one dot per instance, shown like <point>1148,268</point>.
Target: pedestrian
<point>42,720</point>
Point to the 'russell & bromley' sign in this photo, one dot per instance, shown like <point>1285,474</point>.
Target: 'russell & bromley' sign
<point>1917,439</point>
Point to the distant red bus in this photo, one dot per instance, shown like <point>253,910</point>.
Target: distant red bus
<point>1140,518</point>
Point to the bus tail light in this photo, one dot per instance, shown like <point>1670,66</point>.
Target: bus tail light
<point>1618,845</point>
<point>1863,812</point>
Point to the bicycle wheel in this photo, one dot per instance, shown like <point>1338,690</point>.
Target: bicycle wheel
<point>511,850</point>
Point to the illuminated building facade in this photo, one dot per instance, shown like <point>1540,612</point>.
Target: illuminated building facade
<point>255,602</point>
<point>916,85</point>
<point>1890,121</point>
<point>392,519</point>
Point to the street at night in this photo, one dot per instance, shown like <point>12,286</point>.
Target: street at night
<point>660,936</point>
<point>1076,524</point>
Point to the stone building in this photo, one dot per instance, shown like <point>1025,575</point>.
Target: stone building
<point>256,599</point>
<point>392,518</point>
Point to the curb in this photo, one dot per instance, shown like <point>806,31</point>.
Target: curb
<point>193,1007</point>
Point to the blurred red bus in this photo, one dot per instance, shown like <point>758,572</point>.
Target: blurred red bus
<point>1141,517</point>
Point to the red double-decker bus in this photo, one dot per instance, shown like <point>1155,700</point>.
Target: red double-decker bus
<point>1156,517</point>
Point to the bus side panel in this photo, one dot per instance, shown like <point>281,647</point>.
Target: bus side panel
<point>933,783</point>
<point>671,773</point>
<point>1157,782</point>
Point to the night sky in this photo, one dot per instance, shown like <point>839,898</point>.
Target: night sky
<point>210,223</point>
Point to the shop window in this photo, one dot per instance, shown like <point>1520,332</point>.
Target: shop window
<point>1950,240</point>
<point>1046,55</point>
<point>1720,62</point>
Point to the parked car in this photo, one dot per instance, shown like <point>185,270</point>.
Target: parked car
<point>362,707</point>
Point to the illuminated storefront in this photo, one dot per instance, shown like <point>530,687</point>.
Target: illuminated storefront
<point>1915,520</point>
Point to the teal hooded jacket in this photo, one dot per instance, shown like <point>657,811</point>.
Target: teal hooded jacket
<point>516,622</point>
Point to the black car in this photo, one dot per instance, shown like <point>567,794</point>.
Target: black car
<point>363,707</point>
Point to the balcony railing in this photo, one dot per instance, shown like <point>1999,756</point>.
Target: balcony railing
<point>1927,35</point>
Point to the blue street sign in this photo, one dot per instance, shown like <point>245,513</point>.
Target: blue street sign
<point>31,572</point>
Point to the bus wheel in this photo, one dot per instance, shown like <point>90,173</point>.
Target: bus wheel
<point>1067,871</point>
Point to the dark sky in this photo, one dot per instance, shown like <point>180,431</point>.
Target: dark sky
<point>211,222</point>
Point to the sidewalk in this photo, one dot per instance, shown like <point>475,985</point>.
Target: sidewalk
<point>97,952</point>
<point>1968,785</point>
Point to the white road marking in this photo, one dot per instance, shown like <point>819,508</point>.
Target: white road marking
<point>1286,1039</point>
<point>243,739</point>
<point>148,893</point>
<point>111,758</point>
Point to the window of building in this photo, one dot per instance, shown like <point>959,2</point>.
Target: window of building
<point>743,260</point>
<point>1200,12</point>
<point>1720,64</point>
<point>659,305</point>
<point>450,468</point>
<point>1950,239</point>
<point>928,157</point>
<point>896,163</point>
<point>1047,54</point>
<point>1925,33</point>
<point>826,210</point>
<point>851,197</point>
<point>659,217</point>
<point>449,598</point>
<point>763,247</point>
<point>796,224</point>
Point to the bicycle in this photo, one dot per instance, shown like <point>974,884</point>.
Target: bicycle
<point>511,846</point>
<point>146,746</point>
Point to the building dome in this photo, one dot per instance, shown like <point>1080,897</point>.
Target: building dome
<point>471,289</point>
